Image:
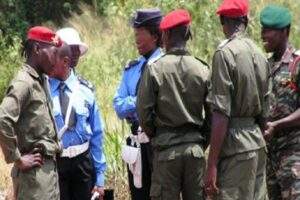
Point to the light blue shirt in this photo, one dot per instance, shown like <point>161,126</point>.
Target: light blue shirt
<point>125,98</point>
<point>88,126</point>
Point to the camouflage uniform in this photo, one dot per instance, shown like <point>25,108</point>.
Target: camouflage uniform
<point>26,122</point>
<point>284,148</point>
<point>240,91</point>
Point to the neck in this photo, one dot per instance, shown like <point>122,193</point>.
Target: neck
<point>176,45</point>
<point>149,53</point>
<point>32,63</point>
<point>280,51</point>
<point>235,30</point>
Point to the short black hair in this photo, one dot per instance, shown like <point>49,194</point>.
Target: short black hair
<point>181,32</point>
<point>234,21</point>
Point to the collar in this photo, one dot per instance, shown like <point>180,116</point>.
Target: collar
<point>178,51</point>
<point>286,58</point>
<point>30,70</point>
<point>70,82</point>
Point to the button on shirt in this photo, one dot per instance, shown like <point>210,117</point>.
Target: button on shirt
<point>125,98</point>
<point>88,123</point>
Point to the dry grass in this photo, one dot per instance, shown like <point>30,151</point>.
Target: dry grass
<point>5,179</point>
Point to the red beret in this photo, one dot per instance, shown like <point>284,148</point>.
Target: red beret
<point>43,34</point>
<point>175,18</point>
<point>233,8</point>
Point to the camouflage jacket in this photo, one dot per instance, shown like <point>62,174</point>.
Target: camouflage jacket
<point>285,96</point>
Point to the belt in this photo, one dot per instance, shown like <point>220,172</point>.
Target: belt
<point>179,129</point>
<point>237,122</point>
<point>74,151</point>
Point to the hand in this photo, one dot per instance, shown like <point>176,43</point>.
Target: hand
<point>29,161</point>
<point>270,130</point>
<point>100,190</point>
<point>210,180</point>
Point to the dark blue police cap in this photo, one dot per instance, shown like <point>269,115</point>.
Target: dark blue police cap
<point>146,17</point>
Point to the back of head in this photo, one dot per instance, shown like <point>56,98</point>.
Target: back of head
<point>234,13</point>
<point>177,25</point>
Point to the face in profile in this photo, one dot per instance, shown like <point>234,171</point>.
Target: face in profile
<point>145,42</point>
<point>46,54</point>
<point>62,64</point>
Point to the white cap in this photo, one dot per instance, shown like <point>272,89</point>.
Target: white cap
<point>71,37</point>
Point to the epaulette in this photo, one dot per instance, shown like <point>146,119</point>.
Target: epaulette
<point>297,53</point>
<point>153,60</point>
<point>86,83</point>
<point>130,64</point>
<point>202,61</point>
<point>223,43</point>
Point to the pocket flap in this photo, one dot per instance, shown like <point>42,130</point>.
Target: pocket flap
<point>155,190</point>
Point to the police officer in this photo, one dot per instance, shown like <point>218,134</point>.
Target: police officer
<point>282,131</point>
<point>238,99</point>
<point>171,101</point>
<point>147,38</point>
<point>81,165</point>
<point>27,129</point>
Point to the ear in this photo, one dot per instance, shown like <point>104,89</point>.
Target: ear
<point>67,61</point>
<point>36,48</point>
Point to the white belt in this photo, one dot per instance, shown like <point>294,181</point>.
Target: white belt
<point>74,151</point>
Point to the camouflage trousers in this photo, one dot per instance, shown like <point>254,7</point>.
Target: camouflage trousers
<point>283,175</point>
<point>37,183</point>
<point>178,171</point>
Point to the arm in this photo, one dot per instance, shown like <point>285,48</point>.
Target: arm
<point>206,128</point>
<point>293,120</point>
<point>16,99</point>
<point>147,95</point>
<point>124,103</point>
<point>96,145</point>
<point>219,99</point>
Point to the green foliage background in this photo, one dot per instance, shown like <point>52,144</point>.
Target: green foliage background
<point>103,25</point>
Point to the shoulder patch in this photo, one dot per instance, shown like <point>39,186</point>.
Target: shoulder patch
<point>131,63</point>
<point>153,60</point>
<point>86,83</point>
<point>202,61</point>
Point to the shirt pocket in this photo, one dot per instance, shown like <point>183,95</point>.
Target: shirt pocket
<point>82,116</point>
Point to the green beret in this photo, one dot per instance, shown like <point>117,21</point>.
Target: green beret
<point>275,17</point>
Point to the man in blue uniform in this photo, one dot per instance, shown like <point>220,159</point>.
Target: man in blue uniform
<point>81,165</point>
<point>147,39</point>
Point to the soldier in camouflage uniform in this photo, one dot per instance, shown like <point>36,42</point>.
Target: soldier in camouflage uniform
<point>170,103</point>
<point>283,131</point>
<point>27,128</point>
<point>237,157</point>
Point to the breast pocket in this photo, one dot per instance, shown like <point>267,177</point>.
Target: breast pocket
<point>82,117</point>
